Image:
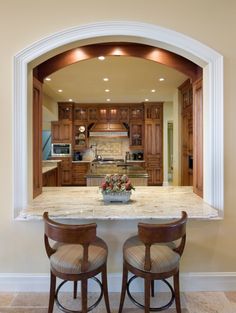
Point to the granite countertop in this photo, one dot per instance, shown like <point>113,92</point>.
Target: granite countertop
<point>48,165</point>
<point>146,203</point>
<point>100,170</point>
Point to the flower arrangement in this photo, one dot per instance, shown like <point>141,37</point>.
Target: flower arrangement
<point>116,183</point>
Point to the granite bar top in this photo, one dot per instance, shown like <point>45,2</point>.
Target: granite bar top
<point>48,165</point>
<point>146,203</point>
<point>100,170</point>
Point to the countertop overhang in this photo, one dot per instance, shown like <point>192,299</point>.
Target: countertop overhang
<point>146,203</point>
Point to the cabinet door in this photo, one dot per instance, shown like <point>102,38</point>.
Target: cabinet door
<point>93,114</point>
<point>61,132</point>
<point>66,172</point>
<point>80,136</point>
<point>80,113</point>
<point>103,114</point>
<point>78,173</point>
<point>153,111</point>
<point>136,135</point>
<point>136,113</point>
<point>114,115</point>
<point>124,114</point>
<point>65,111</point>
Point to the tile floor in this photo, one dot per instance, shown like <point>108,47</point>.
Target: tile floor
<point>192,302</point>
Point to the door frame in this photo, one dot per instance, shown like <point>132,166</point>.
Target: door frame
<point>210,60</point>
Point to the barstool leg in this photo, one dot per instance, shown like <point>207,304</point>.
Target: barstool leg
<point>147,294</point>
<point>84,295</point>
<point>177,293</point>
<point>152,288</point>
<point>52,292</point>
<point>124,287</point>
<point>75,289</point>
<point>105,288</point>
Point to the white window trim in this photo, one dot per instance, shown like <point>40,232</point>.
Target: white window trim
<point>209,59</point>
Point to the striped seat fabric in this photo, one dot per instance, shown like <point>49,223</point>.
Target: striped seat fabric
<point>68,257</point>
<point>163,258</point>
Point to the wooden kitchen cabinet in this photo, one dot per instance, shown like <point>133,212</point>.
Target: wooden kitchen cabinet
<point>80,139</point>
<point>93,114</point>
<point>136,135</point>
<point>61,131</point>
<point>124,114</point>
<point>154,147</point>
<point>79,171</point>
<point>65,111</point>
<point>80,113</point>
<point>50,178</point>
<point>153,111</point>
<point>136,112</point>
<point>66,171</point>
<point>186,96</point>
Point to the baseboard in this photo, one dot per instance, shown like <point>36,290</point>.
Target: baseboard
<point>213,281</point>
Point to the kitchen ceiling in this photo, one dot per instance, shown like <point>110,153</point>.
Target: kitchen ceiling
<point>131,80</point>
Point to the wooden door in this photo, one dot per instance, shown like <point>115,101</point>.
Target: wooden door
<point>37,138</point>
<point>198,138</point>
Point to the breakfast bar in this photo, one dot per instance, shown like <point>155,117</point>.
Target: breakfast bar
<point>145,203</point>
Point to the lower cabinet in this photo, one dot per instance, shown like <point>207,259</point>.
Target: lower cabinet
<point>66,167</point>
<point>79,170</point>
<point>50,178</point>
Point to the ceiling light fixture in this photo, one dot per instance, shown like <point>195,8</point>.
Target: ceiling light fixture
<point>101,58</point>
<point>70,100</point>
<point>146,100</point>
<point>48,79</point>
<point>153,90</point>
<point>105,79</point>
<point>161,79</point>
<point>60,90</point>
<point>108,100</point>
<point>107,90</point>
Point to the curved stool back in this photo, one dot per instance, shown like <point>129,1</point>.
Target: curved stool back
<point>77,255</point>
<point>154,255</point>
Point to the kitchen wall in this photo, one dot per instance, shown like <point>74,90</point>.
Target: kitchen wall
<point>210,244</point>
<point>50,112</point>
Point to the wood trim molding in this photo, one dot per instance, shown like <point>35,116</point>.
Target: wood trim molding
<point>147,52</point>
<point>209,59</point>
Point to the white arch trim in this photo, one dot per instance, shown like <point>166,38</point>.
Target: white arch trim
<point>210,60</point>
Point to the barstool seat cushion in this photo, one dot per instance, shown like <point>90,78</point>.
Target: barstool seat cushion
<point>163,258</point>
<point>68,257</point>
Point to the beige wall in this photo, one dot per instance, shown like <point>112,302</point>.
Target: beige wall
<point>50,112</point>
<point>210,245</point>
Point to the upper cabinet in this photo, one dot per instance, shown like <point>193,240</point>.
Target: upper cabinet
<point>153,111</point>
<point>65,111</point>
<point>136,112</point>
<point>61,132</point>
<point>80,113</point>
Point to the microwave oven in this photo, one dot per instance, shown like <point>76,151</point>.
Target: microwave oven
<point>61,150</point>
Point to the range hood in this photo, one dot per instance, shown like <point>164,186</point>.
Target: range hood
<point>115,129</point>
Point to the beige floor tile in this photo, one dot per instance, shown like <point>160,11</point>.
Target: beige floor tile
<point>23,310</point>
<point>208,302</point>
<point>32,299</point>
<point>6,298</point>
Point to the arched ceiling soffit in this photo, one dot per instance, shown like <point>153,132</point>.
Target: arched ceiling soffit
<point>159,55</point>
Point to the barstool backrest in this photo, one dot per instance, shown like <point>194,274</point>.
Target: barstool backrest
<point>162,233</point>
<point>69,234</point>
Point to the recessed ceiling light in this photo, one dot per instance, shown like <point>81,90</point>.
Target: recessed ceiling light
<point>48,79</point>
<point>60,90</point>
<point>101,58</point>
<point>161,79</point>
<point>146,100</point>
<point>105,79</point>
<point>107,90</point>
<point>108,100</point>
<point>153,90</point>
<point>70,100</point>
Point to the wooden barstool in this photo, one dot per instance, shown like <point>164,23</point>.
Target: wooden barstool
<point>154,255</point>
<point>77,255</point>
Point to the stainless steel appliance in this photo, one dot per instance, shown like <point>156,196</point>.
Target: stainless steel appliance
<point>61,150</point>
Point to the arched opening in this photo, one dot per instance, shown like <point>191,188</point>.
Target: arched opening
<point>153,161</point>
<point>140,33</point>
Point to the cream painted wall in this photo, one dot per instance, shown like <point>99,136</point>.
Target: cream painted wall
<point>209,244</point>
<point>50,112</point>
